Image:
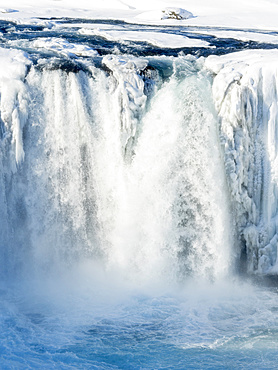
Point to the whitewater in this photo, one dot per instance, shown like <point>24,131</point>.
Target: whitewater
<point>138,188</point>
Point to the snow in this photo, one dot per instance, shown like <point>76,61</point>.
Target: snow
<point>160,39</point>
<point>262,37</point>
<point>233,16</point>
<point>57,45</point>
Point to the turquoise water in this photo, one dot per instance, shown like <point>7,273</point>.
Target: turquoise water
<point>220,326</point>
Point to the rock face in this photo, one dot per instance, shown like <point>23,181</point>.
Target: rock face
<point>176,13</point>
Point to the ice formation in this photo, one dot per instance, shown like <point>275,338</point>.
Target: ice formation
<point>118,158</point>
<point>14,110</point>
<point>245,95</point>
<point>129,87</point>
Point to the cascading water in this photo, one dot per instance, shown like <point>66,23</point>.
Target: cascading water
<point>118,172</point>
<point>130,190</point>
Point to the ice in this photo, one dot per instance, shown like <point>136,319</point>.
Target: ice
<point>245,95</point>
<point>160,39</point>
<point>57,46</point>
<point>13,102</point>
<point>128,86</point>
<point>63,47</point>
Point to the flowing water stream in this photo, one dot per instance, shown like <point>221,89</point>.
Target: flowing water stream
<point>118,241</point>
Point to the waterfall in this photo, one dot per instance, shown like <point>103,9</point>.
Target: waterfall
<point>138,197</point>
<point>117,164</point>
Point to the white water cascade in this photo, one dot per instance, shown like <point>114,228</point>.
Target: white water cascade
<point>138,201</point>
<point>114,167</point>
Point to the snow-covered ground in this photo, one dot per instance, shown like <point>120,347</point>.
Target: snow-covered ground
<point>260,15</point>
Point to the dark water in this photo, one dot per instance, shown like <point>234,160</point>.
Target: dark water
<point>217,46</point>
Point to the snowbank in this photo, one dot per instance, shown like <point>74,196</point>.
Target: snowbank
<point>236,14</point>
